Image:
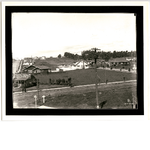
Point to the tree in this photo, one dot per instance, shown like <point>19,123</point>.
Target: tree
<point>114,54</point>
<point>72,56</point>
<point>59,56</point>
<point>89,54</point>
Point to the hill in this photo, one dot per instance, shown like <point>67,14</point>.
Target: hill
<point>54,61</point>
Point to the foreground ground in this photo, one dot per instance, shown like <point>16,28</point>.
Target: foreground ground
<point>115,96</point>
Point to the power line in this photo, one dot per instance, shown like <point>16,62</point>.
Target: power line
<point>96,75</point>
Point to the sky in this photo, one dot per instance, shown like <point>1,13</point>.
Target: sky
<point>51,34</point>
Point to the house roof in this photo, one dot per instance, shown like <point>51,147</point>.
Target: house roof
<point>29,67</point>
<point>22,76</point>
<point>42,67</point>
<point>81,61</point>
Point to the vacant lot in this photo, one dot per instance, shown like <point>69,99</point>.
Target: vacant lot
<point>81,98</point>
<point>80,77</point>
<point>87,76</point>
<point>115,97</point>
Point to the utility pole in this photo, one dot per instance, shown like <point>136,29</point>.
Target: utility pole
<point>96,83</point>
<point>38,88</point>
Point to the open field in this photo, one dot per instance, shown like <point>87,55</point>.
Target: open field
<point>87,76</point>
<point>80,77</point>
<point>115,97</point>
<point>80,98</point>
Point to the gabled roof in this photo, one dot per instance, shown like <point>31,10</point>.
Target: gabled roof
<point>30,66</point>
<point>40,67</point>
<point>22,76</point>
<point>81,61</point>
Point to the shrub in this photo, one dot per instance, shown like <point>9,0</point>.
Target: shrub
<point>63,81</point>
<point>69,80</point>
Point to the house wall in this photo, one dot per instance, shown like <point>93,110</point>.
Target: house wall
<point>37,71</point>
<point>44,71</point>
<point>29,82</point>
<point>29,70</point>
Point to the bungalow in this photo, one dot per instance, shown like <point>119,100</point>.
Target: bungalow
<point>24,79</point>
<point>42,69</point>
<point>119,61</point>
<point>29,69</point>
<point>37,69</point>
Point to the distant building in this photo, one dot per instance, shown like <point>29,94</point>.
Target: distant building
<point>118,61</point>
<point>77,65</point>
<point>37,69</point>
<point>82,64</point>
<point>43,58</point>
<point>27,61</point>
<point>35,57</point>
<point>128,63</point>
<point>24,79</point>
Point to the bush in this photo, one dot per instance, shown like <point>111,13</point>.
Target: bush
<point>63,81</point>
<point>66,82</point>
<point>52,81</point>
<point>69,80</point>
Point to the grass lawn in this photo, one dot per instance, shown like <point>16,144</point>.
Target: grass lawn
<point>115,97</point>
<point>80,77</point>
<point>81,98</point>
<point>87,76</point>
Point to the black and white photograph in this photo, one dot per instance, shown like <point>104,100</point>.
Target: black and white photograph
<point>75,75</point>
<point>74,60</point>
